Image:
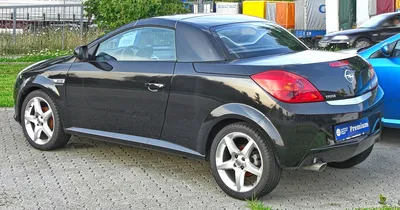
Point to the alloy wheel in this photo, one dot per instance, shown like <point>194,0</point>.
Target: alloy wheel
<point>239,162</point>
<point>39,120</point>
<point>362,44</point>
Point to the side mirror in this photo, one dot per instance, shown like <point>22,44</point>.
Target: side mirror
<point>82,53</point>
<point>385,50</point>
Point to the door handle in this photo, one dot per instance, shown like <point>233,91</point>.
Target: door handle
<point>154,87</point>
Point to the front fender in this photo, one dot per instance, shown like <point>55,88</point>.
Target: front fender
<point>45,84</point>
<point>238,112</point>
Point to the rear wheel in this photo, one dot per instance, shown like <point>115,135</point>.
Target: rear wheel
<point>243,163</point>
<point>41,122</point>
<point>352,161</point>
<point>362,42</point>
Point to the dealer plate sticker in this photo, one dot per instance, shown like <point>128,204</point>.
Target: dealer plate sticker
<point>351,129</point>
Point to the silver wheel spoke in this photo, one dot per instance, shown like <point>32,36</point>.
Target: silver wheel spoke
<point>37,132</point>
<point>250,167</point>
<point>225,165</point>
<point>30,118</point>
<point>37,106</point>
<point>239,179</point>
<point>47,130</point>
<point>47,114</point>
<point>231,145</point>
<point>248,149</point>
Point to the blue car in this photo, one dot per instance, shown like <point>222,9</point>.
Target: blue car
<point>385,58</point>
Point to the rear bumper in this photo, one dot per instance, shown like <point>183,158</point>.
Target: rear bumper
<point>341,152</point>
<point>308,130</point>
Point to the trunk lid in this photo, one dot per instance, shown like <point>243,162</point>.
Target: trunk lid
<point>325,70</point>
<point>335,75</point>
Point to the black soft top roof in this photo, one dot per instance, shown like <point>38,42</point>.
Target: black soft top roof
<point>202,20</point>
<point>196,43</point>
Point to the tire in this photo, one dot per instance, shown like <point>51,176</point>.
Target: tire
<point>260,160</point>
<point>362,42</point>
<point>37,126</point>
<point>352,161</point>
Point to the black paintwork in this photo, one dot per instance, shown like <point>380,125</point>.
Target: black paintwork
<point>203,92</point>
<point>373,34</point>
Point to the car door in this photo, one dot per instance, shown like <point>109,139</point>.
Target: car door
<point>388,71</point>
<point>389,28</point>
<point>124,88</point>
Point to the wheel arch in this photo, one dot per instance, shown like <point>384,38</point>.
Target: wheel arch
<point>44,84</point>
<point>231,113</point>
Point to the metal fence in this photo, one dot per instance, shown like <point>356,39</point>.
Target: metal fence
<point>59,19</point>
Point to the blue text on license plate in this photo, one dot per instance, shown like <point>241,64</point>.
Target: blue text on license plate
<point>351,129</point>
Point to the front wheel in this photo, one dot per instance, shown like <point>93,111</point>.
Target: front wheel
<point>362,42</point>
<point>352,161</point>
<point>243,163</point>
<point>41,122</point>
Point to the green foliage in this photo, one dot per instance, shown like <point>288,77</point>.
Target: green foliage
<point>256,205</point>
<point>110,14</point>
<point>35,56</point>
<point>8,74</point>
<point>382,199</point>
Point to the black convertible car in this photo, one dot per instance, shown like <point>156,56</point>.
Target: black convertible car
<point>237,91</point>
<point>375,30</point>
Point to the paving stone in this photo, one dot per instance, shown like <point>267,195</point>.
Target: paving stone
<point>89,174</point>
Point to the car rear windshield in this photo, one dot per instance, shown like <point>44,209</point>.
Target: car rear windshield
<point>244,40</point>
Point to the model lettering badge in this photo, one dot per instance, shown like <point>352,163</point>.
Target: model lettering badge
<point>352,129</point>
<point>330,96</point>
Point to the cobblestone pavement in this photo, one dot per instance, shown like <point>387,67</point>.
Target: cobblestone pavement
<point>89,174</point>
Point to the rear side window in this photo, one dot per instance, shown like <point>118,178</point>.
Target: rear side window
<point>246,40</point>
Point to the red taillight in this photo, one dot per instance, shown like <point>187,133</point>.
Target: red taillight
<point>287,87</point>
<point>338,64</point>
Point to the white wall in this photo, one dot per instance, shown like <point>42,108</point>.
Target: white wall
<point>362,11</point>
<point>332,16</point>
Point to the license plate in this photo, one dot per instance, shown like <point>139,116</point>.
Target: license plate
<point>323,44</point>
<point>351,129</point>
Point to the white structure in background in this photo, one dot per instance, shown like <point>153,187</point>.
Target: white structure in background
<point>36,2</point>
<point>332,16</point>
<point>310,17</point>
<point>227,8</point>
<point>41,10</point>
<point>365,10</point>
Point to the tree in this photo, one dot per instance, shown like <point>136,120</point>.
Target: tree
<point>111,14</point>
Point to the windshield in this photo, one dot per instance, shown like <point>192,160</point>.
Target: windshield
<point>246,40</point>
<point>373,22</point>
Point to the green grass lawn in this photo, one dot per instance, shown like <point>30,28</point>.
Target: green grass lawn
<point>258,205</point>
<point>381,208</point>
<point>8,73</point>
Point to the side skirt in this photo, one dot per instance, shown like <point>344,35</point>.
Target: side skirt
<point>137,141</point>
